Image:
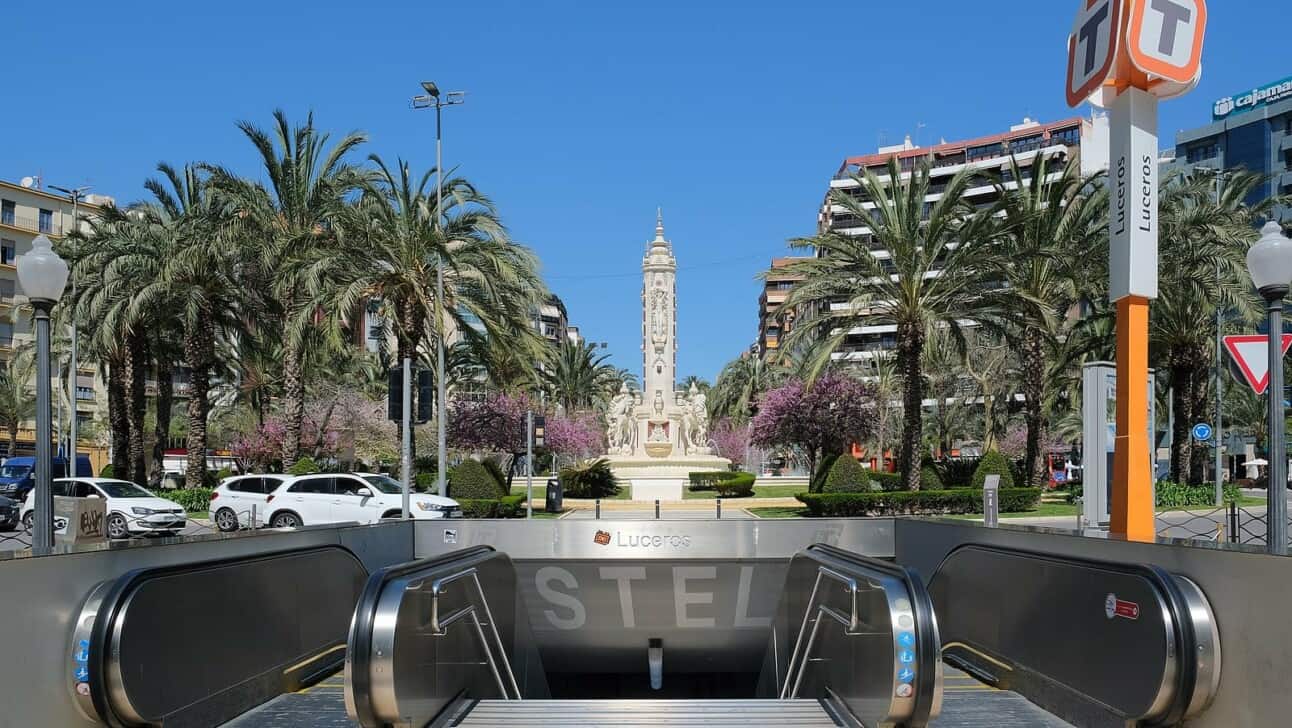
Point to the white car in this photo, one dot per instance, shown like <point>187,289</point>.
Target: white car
<point>236,498</point>
<point>341,497</point>
<point>131,510</point>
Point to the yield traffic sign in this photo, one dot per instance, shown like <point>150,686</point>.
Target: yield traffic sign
<point>1251,352</point>
<point>1165,37</point>
<point>1092,48</point>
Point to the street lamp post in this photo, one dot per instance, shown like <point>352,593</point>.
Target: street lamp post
<point>432,98</point>
<point>1270,264</point>
<point>76,194</point>
<point>42,275</point>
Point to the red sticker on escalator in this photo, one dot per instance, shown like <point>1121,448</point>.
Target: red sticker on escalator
<point>1114,607</point>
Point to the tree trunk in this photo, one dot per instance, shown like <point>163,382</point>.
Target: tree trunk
<point>13,436</point>
<point>1199,406</point>
<point>136,355</point>
<point>293,403</point>
<point>120,430</point>
<point>910,347</point>
<point>1033,364</point>
<point>199,351</point>
<point>1180,450</point>
<point>161,431</point>
<point>409,338</point>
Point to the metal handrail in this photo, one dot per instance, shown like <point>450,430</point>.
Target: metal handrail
<point>439,627</point>
<point>850,624</point>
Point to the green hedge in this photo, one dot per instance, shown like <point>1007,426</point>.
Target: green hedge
<point>508,506</point>
<point>470,480</point>
<point>912,503</point>
<point>491,464</point>
<point>303,466</point>
<point>425,482</point>
<point>740,486</point>
<point>888,482</point>
<point>192,499</point>
<point>823,469</point>
<point>993,463</point>
<point>1178,495</point>
<point>710,479</point>
<point>107,471</point>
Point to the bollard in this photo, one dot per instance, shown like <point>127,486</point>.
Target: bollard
<point>598,512</point>
<point>1233,522</point>
<point>719,509</point>
<point>252,525</point>
<point>991,501</point>
<point>657,509</point>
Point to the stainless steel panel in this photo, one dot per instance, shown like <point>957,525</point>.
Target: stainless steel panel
<point>609,540</point>
<point>805,713</point>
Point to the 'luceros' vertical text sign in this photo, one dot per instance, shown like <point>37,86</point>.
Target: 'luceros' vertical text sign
<point>1092,48</point>
<point>1133,181</point>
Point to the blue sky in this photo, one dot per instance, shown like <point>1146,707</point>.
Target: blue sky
<point>581,116</point>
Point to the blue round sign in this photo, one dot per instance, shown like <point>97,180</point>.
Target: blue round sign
<point>1202,432</point>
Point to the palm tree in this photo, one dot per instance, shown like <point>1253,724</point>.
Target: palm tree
<point>190,275</point>
<point>288,220</point>
<point>1052,222</point>
<point>740,383</point>
<point>931,281</point>
<point>699,383</point>
<point>1205,237</point>
<point>17,402</point>
<point>577,377</point>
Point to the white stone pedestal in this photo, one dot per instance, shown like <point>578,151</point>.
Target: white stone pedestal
<point>651,478</point>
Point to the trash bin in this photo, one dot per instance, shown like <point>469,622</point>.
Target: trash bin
<point>555,495</point>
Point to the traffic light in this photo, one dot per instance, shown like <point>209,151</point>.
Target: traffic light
<point>540,424</point>
<point>425,396</point>
<point>395,394</point>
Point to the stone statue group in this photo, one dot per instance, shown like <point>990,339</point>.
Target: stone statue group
<point>692,422</point>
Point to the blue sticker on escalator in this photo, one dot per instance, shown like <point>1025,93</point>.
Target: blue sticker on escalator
<point>905,675</point>
<point>906,657</point>
<point>906,639</point>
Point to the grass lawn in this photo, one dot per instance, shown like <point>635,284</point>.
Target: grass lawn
<point>199,515</point>
<point>760,491</point>
<point>779,512</point>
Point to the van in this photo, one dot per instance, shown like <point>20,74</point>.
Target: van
<point>18,474</point>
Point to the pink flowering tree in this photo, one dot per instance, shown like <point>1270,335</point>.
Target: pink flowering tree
<point>731,440</point>
<point>1014,444</point>
<point>823,420</point>
<point>579,435</point>
<point>496,425</point>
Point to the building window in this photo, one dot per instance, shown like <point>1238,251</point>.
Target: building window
<point>6,212</point>
<point>46,223</point>
<point>1203,152</point>
<point>8,251</point>
<point>85,393</point>
<point>6,334</point>
<point>6,290</point>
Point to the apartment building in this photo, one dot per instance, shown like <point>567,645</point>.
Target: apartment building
<point>776,288</point>
<point>985,156</point>
<point>27,210</point>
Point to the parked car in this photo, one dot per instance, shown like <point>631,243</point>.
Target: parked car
<point>18,474</point>
<point>9,510</point>
<point>341,497</point>
<point>234,499</point>
<point>131,510</point>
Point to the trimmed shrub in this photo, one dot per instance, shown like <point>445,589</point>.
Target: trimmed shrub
<point>706,480</point>
<point>888,482</point>
<point>1178,495</point>
<point>930,478</point>
<point>822,473</point>
<point>589,479</point>
<point>511,506</point>
<point>425,482</point>
<point>107,471</point>
<point>470,480</point>
<point>958,473</point>
<point>491,464</point>
<point>740,486</point>
<point>191,499</point>
<point>993,463</point>
<point>846,476</point>
<point>303,466</point>
<point>478,507</point>
<point>912,503</point>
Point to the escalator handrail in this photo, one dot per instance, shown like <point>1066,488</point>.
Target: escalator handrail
<point>118,595</point>
<point>1186,672</point>
<point>928,647</point>
<point>359,644</point>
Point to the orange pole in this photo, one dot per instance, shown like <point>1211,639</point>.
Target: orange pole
<point>1132,494</point>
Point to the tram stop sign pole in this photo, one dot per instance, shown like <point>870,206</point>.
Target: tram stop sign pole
<point>1126,55</point>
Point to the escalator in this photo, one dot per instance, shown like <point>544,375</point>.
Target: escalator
<point>448,641</point>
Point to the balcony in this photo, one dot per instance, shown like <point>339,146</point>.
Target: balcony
<point>31,223</point>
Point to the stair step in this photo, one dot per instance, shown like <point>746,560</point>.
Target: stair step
<point>628,713</point>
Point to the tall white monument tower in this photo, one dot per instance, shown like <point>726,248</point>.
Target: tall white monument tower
<point>659,435</point>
